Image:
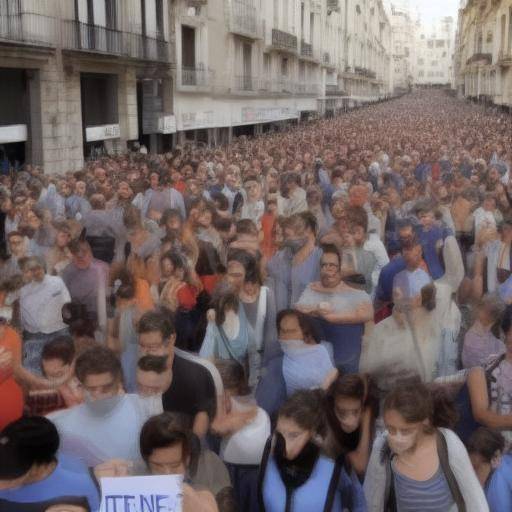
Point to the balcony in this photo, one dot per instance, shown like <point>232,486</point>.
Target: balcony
<point>30,28</point>
<point>307,89</point>
<point>95,38</point>
<point>244,83</point>
<point>306,50</point>
<point>194,77</point>
<point>480,58</point>
<point>284,41</point>
<point>333,5</point>
<point>333,90</point>
<point>505,58</point>
<point>243,19</point>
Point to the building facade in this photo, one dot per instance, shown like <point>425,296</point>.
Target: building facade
<point>434,49</point>
<point>403,46</point>
<point>484,51</point>
<point>83,77</point>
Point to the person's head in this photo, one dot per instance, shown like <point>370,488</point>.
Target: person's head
<point>62,235</point>
<point>16,242</point>
<point>358,224</point>
<point>346,397</point>
<point>242,268</point>
<point>124,191</point>
<point>99,371</point>
<point>489,202</point>
<point>81,253</point>
<point>405,229</point>
<point>412,253</point>
<point>97,202</point>
<point>166,445</point>
<point>80,188</point>
<point>297,233</point>
<point>253,188</point>
<point>156,333</point>
<point>300,419</point>
<point>27,445</point>
<point>154,180</point>
<point>425,213</point>
<point>330,266</point>
<point>293,325</point>
<point>485,448</point>
<point>153,375</point>
<point>233,379</point>
<point>171,221</point>
<point>57,357</point>
<point>506,327</point>
<point>36,267</point>
<point>412,410</point>
<point>490,310</point>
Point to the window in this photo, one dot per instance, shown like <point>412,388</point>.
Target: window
<point>430,43</point>
<point>421,74</point>
<point>439,43</point>
<point>284,66</point>
<point>434,63</point>
<point>421,62</point>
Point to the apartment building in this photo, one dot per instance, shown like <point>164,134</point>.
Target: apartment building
<point>83,77</point>
<point>434,48</point>
<point>484,51</point>
<point>78,77</point>
<point>403,45</point>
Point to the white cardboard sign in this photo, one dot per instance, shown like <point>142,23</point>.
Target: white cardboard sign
<point>141,494</point>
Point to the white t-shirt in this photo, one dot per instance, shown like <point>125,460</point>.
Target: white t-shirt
<point>41,305</point>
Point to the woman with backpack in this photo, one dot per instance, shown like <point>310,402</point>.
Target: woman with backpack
<point>294,475</point>
<point>418,464</point>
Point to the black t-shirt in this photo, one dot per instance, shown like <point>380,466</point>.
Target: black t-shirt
<point>192,389</point>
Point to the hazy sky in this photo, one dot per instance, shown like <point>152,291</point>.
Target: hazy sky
<point>429,10</point>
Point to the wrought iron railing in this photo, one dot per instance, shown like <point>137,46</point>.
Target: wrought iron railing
<point>19,25</point>
<point>284,40</point>
<point>505,56</point>
<point>198,77</point>
<point>245,83</point>
<point>306,49</point>
<point>77,35</point>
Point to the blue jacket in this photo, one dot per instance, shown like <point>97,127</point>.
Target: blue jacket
<point>498,490</point>
<point>311,496</point>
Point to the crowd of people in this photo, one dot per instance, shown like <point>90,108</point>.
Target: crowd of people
<point>317,319</point>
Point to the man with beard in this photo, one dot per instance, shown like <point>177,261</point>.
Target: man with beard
<point>338,310</point>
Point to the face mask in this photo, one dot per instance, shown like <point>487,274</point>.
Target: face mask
<point>292,344</point>
<point>350,425</point>
<point>104,406</point>
<point>296,245</point>
<point>400,443</point>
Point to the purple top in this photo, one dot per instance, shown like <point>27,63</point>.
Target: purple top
<point>479,346</point>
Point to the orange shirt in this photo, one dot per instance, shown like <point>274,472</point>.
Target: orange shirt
<point>267,225</point>
<point>143,295</point>
<point>11,394</point>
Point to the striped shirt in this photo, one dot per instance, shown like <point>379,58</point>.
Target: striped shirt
<point>432,495</point>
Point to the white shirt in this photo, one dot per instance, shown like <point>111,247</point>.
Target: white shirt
<point>41,305</point>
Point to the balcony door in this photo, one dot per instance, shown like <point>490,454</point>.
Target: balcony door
<point>188,55</point>
<point>247,66</point>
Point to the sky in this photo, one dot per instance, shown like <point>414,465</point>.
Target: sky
<point>430,10</point>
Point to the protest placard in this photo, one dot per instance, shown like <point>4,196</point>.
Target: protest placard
<point>141,494</point>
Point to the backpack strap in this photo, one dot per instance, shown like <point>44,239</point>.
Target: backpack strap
<point>261,473</point>
<point>389,493</point>
<point>444,461</point>
<point>333,487</point>
<point>489,378</point>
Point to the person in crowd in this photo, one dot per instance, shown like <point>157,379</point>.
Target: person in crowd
<point>419,463</point>
<point>41,302</point>
<point>191,390</point>
<point>483,338</point>
<point>33,473</point>
<point>293,267</point>
<point>295,475</point>
<point>493,467</point>
<point>90,431</point>
<point>339,311</point>
<point>87,279</point>
<point>168,447</point>
<point>351,412</point>
<point>59,256</point>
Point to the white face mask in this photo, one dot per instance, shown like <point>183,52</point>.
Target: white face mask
<point>231,324</point>
<point>351,424</point>
<point>103,406</point>
<point>292,344</point>
<point>400,443</point>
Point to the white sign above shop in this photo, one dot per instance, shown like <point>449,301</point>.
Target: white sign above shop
<point>262,115</point>
<point>103,132</point>
<point>13,133</point>
<point>167,124</point>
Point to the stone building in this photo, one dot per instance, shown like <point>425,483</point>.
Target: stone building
<point>82,77</point>
<point>484,51</point>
